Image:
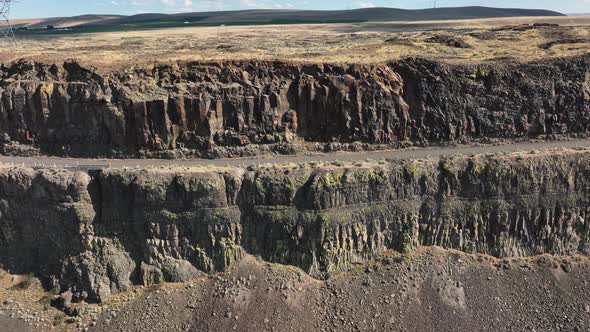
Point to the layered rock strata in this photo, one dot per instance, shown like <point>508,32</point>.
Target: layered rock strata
<point>97,235</point>
<point>241,108</point>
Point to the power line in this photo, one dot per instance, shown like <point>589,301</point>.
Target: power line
<point>6,31</point>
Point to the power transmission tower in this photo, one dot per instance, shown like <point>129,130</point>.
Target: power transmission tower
<point>6,31</point>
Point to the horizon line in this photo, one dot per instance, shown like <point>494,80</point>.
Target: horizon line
<point>288,9</point>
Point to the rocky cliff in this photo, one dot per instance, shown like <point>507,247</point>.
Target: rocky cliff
<point>229,109</point>
<point>97,235</point>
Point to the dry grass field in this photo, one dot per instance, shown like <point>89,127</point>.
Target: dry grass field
<point>452,41</point>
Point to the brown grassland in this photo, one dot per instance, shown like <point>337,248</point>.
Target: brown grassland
<point>452,41</point>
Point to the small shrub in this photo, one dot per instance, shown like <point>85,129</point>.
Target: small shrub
<point>88,246</point>
<point>332,180</point>
<point>480,73</point>
<point>59,319</point>
<point>445,165</point>
<point>25,283</point>
<point>476,170</point>
<point>45,300</point>
<point>414,169</point>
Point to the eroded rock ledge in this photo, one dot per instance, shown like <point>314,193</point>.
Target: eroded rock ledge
<point>245,108</point>
<point>97,235</point>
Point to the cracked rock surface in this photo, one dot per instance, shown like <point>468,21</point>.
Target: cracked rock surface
<point>234,109</point>
<point>98,235</point>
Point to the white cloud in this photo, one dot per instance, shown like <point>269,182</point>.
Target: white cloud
<point>170,6</point>
<point>363,4</point>
<point>248,3</point>
<point>265,4</point>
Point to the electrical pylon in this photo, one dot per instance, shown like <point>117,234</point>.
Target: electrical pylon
<point>6,32</point>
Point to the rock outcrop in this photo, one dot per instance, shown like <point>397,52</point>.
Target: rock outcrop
<point>95,236</point>
<point>230,109</point>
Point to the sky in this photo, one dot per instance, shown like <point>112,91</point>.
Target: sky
<point>47,8</point>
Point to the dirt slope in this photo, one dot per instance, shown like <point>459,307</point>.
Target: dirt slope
<point>434,290</point>
<point>431,290</point>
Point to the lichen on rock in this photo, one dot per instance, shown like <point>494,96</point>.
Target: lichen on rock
<point>96,236</point>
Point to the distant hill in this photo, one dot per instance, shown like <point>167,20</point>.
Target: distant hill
<point>277,16</point>
<point>64,22</point>
<point>366,14</point>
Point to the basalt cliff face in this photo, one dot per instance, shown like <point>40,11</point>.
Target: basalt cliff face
<point>244,108</point>
<point>97,235</point>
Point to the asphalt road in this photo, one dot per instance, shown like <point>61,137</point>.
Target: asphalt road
<point>81,163</point>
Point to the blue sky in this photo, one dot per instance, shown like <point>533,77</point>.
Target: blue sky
<point>46,8</point>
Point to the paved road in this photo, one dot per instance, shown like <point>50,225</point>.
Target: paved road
<point>376,155</point>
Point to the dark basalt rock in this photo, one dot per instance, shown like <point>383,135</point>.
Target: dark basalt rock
<point>239,108</point>
<point>95,236</point>
<point>448,41</point>
<point>550,44</point>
